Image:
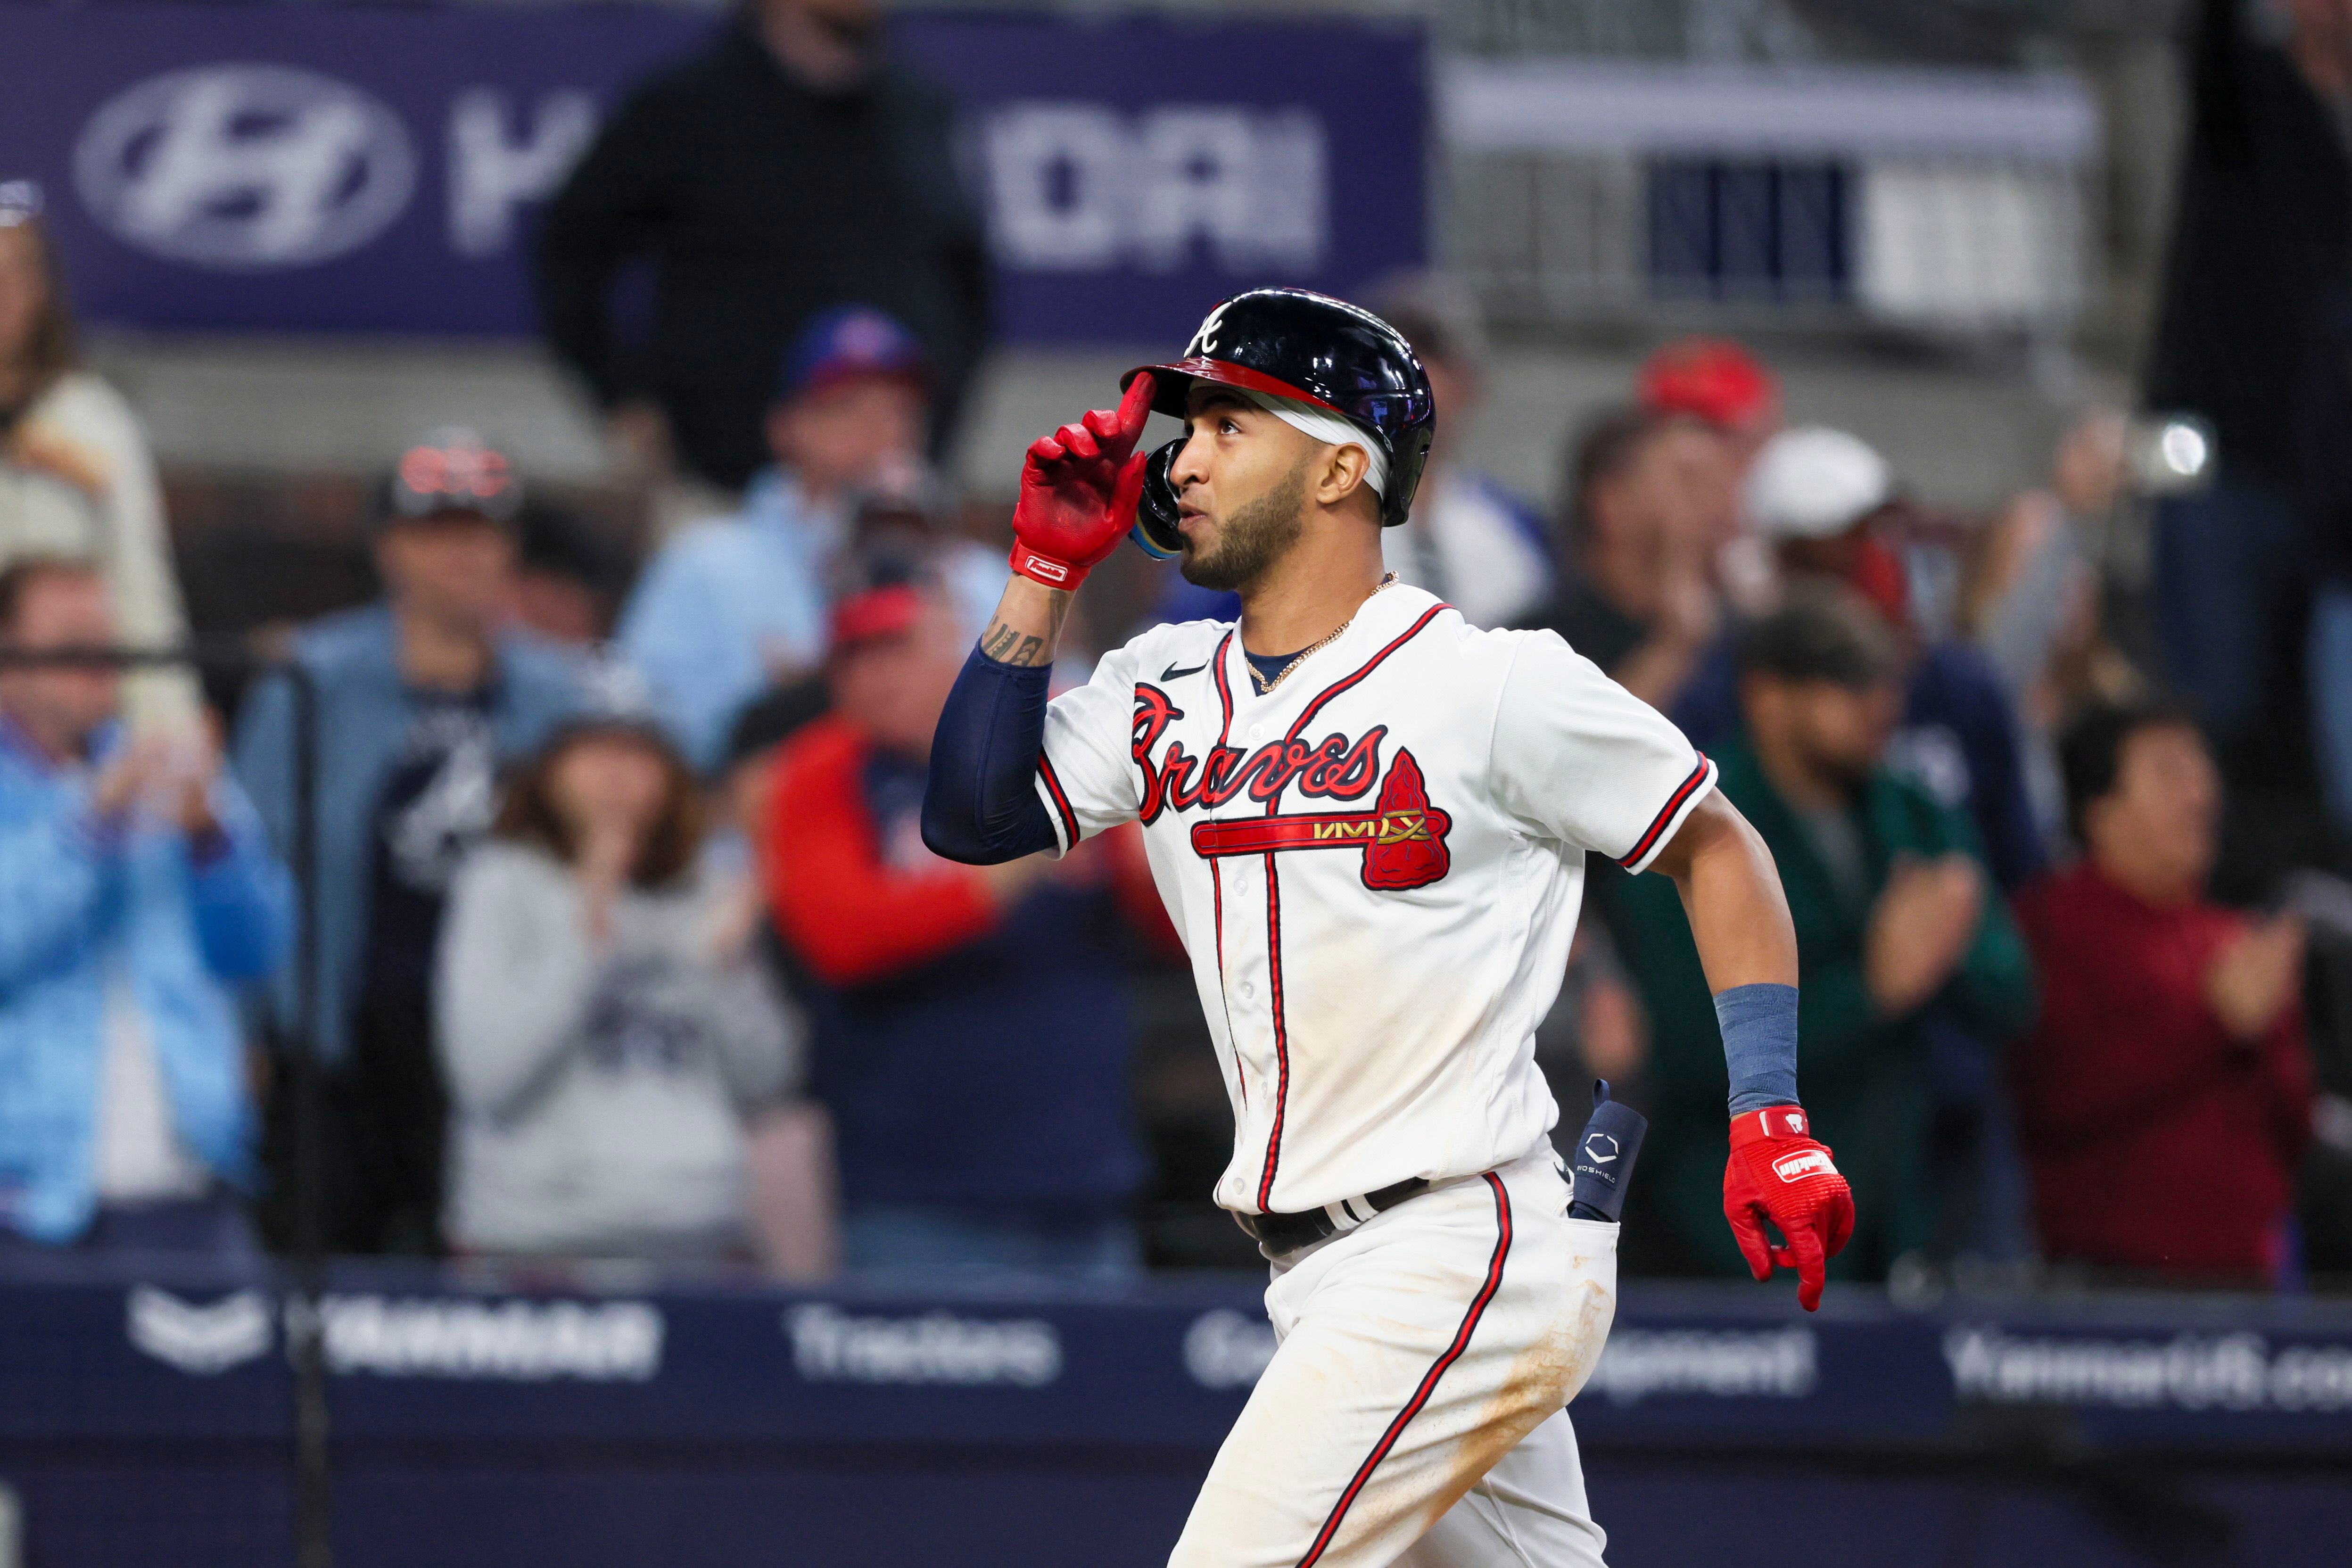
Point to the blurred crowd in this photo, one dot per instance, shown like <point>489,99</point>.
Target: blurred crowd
<point>627,945</point>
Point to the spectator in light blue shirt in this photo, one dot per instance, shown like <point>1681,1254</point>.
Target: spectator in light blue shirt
<point>136,892</point>
<point>732,605</point>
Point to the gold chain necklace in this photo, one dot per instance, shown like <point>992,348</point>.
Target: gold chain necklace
<point>1264,686</point>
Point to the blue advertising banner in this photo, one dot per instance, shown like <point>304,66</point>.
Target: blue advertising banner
<point>102,1351</point>
<point>1031,1425</point>
<point>321,169</point>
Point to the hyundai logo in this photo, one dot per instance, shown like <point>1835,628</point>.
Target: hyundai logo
<point>244,167</point>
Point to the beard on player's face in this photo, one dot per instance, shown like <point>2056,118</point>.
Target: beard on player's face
<point>1253,538</point>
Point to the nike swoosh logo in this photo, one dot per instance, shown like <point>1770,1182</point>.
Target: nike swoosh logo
<point>1172,673</point>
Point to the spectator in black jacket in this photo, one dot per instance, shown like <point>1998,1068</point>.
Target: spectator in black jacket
<point>788,167</point>
<point>2255,336</point>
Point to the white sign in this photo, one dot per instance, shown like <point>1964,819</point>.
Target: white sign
<point>2185,1372</point>
<point>830,1346</point>
<point>521,1341</point>
<point>491,172</point>
<point>1733,1363</point>
<point>1079,187</point>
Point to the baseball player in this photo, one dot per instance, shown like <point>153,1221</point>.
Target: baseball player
<point>1368,822</point>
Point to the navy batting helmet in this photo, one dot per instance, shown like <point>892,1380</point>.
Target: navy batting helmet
<point>1289,342</point>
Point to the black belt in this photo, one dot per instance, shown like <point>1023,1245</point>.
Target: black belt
<point>1280,1233</point>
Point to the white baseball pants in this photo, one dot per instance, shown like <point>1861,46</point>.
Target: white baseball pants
<point>1414,1413</point>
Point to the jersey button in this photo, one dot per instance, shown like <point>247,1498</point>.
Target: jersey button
<point>1248,990</point>
<point>1256,730</point>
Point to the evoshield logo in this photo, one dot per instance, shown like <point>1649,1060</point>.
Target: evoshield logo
<point>244,167</point>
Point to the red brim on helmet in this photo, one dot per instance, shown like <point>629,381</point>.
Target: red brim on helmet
<point>1173,383</point>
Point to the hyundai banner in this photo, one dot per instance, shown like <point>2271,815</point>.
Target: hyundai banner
<point>317,169</point>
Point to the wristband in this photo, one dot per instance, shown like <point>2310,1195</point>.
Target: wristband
<point>1760,1044</point>
<point>1774,1121</point>
<point>1046,569</point>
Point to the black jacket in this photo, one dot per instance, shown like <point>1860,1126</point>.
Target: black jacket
<point>2261,261</point>
<point>758,202</point>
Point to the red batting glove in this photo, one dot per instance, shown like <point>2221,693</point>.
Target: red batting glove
<point>1078,492</point>
<point>1776,1169</point>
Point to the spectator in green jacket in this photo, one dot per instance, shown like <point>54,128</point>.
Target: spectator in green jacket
<point>1899,932</point>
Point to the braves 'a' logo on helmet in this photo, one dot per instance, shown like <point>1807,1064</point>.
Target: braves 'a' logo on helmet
<point>1204,342</point>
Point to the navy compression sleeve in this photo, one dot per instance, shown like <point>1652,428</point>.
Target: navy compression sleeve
<point>1760,1044</point>
<point>981,805</point>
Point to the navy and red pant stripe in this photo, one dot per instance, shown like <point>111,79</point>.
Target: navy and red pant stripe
<point>1421,1395</point>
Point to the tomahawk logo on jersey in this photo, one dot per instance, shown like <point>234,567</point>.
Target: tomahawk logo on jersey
<point>1375,868</point>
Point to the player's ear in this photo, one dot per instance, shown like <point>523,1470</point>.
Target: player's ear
<point>1344,469</point>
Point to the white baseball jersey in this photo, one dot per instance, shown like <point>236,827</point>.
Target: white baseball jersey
<point>1375,869</point>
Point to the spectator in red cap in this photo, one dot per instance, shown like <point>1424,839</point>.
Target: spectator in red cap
<point>1716,380</point>
<point>1727,391</point>
<point>732,605</point>
<point>970,1024</point>
<point>2164,1093</point>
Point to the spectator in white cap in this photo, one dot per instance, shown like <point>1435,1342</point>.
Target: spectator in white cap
<point>1830,507</point>
<point>1816,495</point>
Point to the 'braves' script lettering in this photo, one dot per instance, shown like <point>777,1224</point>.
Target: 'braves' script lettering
<point>1335,768</point>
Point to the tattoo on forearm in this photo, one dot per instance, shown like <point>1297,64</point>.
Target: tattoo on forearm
<point>1007,645</point>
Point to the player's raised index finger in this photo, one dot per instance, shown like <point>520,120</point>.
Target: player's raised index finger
<point>1135,407</point>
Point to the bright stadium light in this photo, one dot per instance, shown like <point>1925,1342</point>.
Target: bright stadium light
<point>2183,447</point>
